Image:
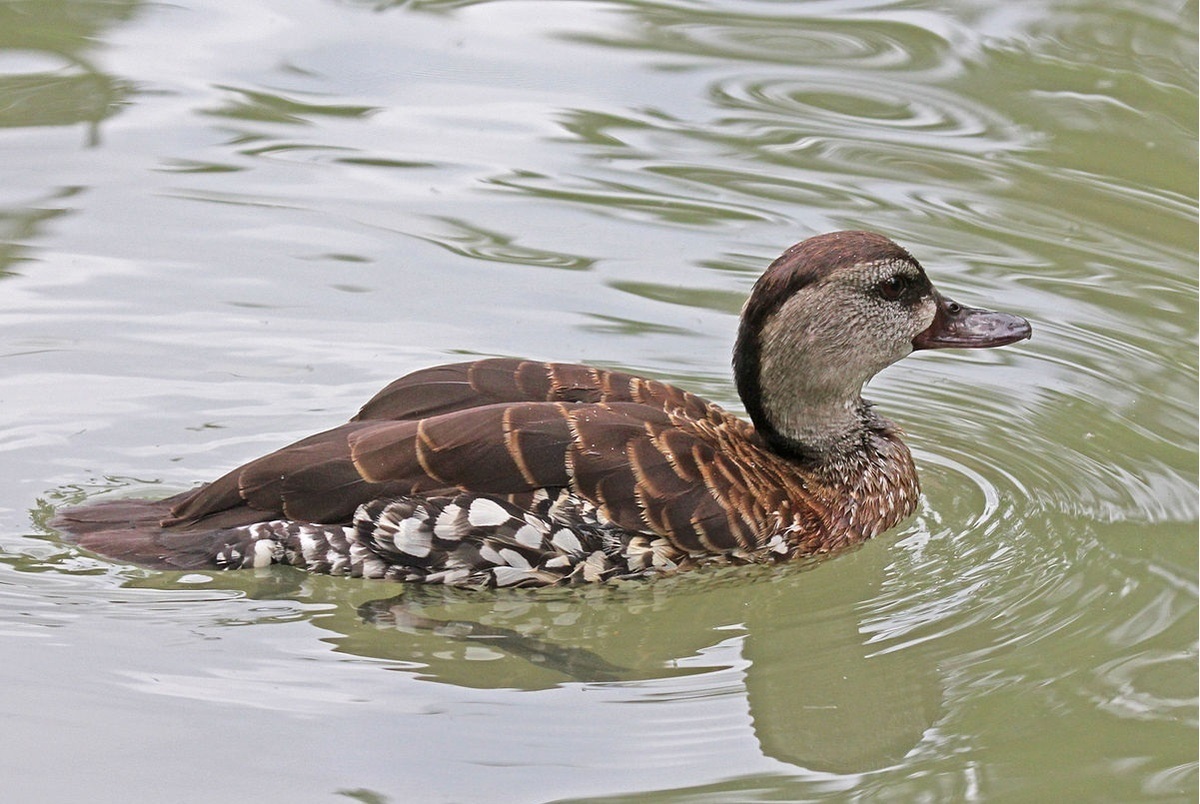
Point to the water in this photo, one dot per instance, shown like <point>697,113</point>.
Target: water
<point>225,225</point>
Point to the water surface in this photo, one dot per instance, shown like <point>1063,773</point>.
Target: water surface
<point>224,226</point>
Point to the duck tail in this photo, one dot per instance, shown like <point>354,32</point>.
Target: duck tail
<point>124,530</point>
<point>131,531</point>
<point>111,515</point>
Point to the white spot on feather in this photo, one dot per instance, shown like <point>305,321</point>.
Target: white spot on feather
<point>489,554</point>
<point>388,517</point>
<point>262,553</point>
<point>308,546</point>
<point>513,558</point>
<point>446,526</point>
<point>566,541</point>
<point>528,536</point>
<point>374,568</point>
<point>412,539</point>
<point>486,513</point>
<point>594,567</point>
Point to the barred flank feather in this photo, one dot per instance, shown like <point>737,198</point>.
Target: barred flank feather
<point>463,540</point>
<point>472,540</point>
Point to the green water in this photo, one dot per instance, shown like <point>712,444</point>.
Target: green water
<point>224,226</point>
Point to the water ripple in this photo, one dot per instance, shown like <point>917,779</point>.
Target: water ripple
<point>630,201</point>
<point>871,42</point>
<point>1077,476</point>
<point>882,108</point>
<point>263,106</point>
<point>470,240</point>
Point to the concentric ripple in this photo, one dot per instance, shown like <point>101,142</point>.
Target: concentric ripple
<point>883,107</point>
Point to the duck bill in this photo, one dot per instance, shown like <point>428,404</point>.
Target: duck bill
<point>956,326</point>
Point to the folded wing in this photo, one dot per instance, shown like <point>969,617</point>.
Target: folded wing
<point>652,458</point>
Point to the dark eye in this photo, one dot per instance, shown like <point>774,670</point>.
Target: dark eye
<point>893,287</point>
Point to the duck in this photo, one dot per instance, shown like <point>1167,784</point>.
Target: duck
<point>504,472</point>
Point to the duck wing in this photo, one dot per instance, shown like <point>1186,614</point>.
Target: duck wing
<point>645,470</point>
<point>459,386</point>
<point>493,425</point>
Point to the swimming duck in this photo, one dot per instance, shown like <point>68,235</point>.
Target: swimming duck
<point>506,472</point>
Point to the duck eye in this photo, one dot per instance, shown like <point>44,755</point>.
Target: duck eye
<point>893,287</point>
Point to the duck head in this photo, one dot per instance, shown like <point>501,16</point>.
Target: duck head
<point>826,317</point>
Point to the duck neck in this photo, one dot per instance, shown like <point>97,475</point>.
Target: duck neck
<point>803,411</point>
<point>819,432</point>
<point>835,439</point>
<point>801,385</point>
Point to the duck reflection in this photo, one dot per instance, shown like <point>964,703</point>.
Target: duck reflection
<point>828,685</point>
<point>823,694</point>
<point>492,641</point>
